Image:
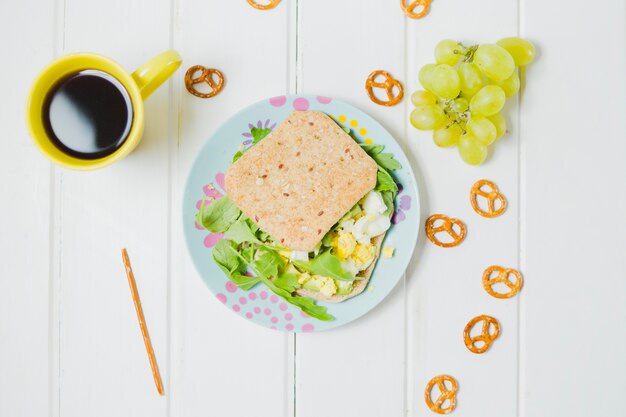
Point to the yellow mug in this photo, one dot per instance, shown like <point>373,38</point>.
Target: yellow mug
<point>138,85</point>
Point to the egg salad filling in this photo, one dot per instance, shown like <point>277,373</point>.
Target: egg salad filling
<point>350,241</point>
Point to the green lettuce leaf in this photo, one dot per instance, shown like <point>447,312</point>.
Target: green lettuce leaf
<point>287,281</point>
<point>269,264</point>
<point>372,150</point>
<point>309,307</point>
<point>385,182</point>
<point>244,282</point>
<point>240,232</point>
<point>224,258</point>
<point>384,160</point>
<point>387,161</point>
<point>303,266</point>
<point>259,133</point>
<point>327,265</point>
<point>218,216</point>
<point>237,155</point>
<point>230,263</point>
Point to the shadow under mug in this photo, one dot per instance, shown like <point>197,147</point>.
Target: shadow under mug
<point>139,85</point>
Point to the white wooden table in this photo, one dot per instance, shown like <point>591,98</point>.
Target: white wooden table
<point>69,340</point>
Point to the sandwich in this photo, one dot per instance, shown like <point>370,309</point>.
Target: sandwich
<point>306,212</point>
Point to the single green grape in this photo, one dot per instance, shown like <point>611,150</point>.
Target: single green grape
<point>448,51</point>
<point>427,117</point>
<point>471,151</point>
<point>482,129</point>
<point>447,136</point>
<point>488,101</point>
<point>423,97</point>
<point>494,61</point>
<point>522,51</point>
<point>510,85</point>
<point>424,76</point>
<point>470,78</point>
<point>444,81</point>
<point>460,105</point>
<point>500,123</point>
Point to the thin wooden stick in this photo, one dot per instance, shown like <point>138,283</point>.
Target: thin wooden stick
<point>142,322</point>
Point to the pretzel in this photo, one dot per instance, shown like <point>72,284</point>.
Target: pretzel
<point>206,76</point>
<point>485,337</point>
<point>270,5</point>
<point>446,226</point>
<point>388,84</point>
<point>409,9</point>
<point>445,394</point>
<point>491,197</point>
<point>502,277</point>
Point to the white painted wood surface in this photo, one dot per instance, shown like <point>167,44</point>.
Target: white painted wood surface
<point>445,289</point>
<point>366,356</point>
<point>69,342</point>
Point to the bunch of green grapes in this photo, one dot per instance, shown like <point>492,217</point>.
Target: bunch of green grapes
<point>465,91</point>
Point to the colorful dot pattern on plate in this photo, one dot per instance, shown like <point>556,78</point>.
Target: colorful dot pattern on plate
<point>206,181</point>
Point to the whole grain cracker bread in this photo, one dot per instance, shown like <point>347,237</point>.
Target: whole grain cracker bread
<point>297,182</point>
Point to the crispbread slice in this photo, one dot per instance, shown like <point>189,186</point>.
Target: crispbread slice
<point>297,182</point>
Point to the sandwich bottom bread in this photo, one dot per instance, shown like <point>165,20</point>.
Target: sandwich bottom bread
<point>306,212</point>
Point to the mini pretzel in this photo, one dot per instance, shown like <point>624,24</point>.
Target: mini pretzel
<point>388,84</point>
<point>446,226</point>
<point>502,277</point>
<point>445,394</point>
<point>492,195</point>
<point>485,337</point>
<point>409,9</point>
<point>270,5</point>
<point>206,76</point>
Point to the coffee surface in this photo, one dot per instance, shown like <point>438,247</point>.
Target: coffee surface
<point>88,115</point>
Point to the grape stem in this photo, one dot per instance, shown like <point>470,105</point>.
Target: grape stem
<point>468,52</point>
<point>458,118</point>
<point>456,122</point>
<point>461,119</point>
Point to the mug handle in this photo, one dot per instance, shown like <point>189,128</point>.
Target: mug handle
<point>156,71</point>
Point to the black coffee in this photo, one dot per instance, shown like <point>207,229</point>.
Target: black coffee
<point>88,115</point>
